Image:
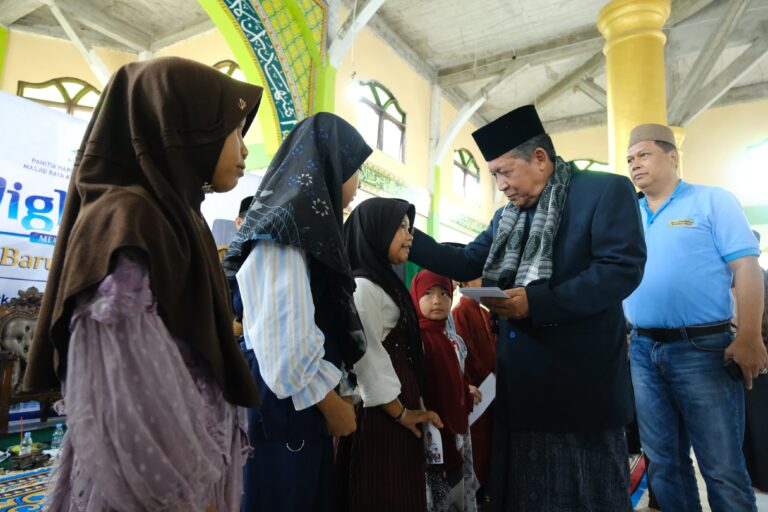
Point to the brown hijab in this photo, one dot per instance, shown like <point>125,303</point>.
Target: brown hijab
<point>153,141</point>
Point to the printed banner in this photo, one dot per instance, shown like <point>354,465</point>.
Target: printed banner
<point>37,151</point>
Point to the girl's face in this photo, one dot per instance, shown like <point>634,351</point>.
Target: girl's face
<point>435,304</point>
<point>231,165</point>
<point>349,189</point>
<point>401,243</point>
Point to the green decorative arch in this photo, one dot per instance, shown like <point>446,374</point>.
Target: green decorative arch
<point>279,45</point>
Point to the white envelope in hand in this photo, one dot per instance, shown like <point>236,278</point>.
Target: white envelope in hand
<point>486,292</point>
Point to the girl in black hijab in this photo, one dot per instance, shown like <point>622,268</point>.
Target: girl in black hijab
<point>299,320</point>
<point>383,462</point>
<point>136,319</point>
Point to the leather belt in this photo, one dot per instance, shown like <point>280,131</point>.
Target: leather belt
<point>684,332</point>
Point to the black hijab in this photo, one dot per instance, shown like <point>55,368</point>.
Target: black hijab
<point>368,233</point>
<point>299,204</point>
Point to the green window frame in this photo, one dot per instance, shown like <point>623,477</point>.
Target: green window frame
<point>466,174</point>
<point>230,68</point>
<point>387,109</point>
<point>71,95</point>
<point>588,164</point>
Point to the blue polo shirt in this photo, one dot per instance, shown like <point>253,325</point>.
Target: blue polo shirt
<point>690,240</point>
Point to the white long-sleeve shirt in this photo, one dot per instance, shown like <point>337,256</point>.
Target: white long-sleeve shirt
<point>279,324</point>
<point>379,314</point>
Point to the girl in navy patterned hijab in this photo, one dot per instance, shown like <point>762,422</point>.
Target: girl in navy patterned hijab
<point>301,328</point>
<point>299,204</point>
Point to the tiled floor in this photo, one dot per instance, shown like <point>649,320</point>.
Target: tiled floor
<point>762,504</point>
<point>762,499</point>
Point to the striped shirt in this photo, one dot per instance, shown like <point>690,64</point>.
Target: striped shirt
<point>279,326</point>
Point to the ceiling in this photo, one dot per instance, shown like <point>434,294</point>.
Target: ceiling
<point>497,54</point>
<point>126,25</point>
<point>471,46</point>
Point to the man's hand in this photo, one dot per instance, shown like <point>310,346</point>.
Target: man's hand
<point>750,354</point>
<point>747,349</point>
<point>339,414</point>
<point>515,307</point>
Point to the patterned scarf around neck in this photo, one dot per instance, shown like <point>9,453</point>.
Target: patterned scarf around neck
<point>509,263</point>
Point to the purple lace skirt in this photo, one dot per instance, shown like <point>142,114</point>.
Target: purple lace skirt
<point>147,425</point>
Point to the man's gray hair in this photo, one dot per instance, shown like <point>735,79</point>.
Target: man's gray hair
<point>666,146</point>
<point>525,150</point>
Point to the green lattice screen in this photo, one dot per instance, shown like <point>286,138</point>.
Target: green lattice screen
<point>293,45</point>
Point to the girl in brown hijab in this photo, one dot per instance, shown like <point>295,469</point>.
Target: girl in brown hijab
<point>136,320</point>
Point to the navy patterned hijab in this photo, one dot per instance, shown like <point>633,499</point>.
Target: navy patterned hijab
<point>299,204</point>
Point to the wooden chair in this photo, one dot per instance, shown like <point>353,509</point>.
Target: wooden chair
<point>222,249</point>
<point>17,328</point>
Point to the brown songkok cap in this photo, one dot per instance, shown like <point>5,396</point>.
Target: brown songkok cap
<point>654,132</point>
<point>507,132</point>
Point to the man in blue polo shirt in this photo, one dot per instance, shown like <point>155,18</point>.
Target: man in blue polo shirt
<point>699,242</point>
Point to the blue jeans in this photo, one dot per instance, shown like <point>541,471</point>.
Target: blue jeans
<point>684,398</point>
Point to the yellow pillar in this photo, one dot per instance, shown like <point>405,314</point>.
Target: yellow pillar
<point>634,60</point>
<point>679,133</point>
